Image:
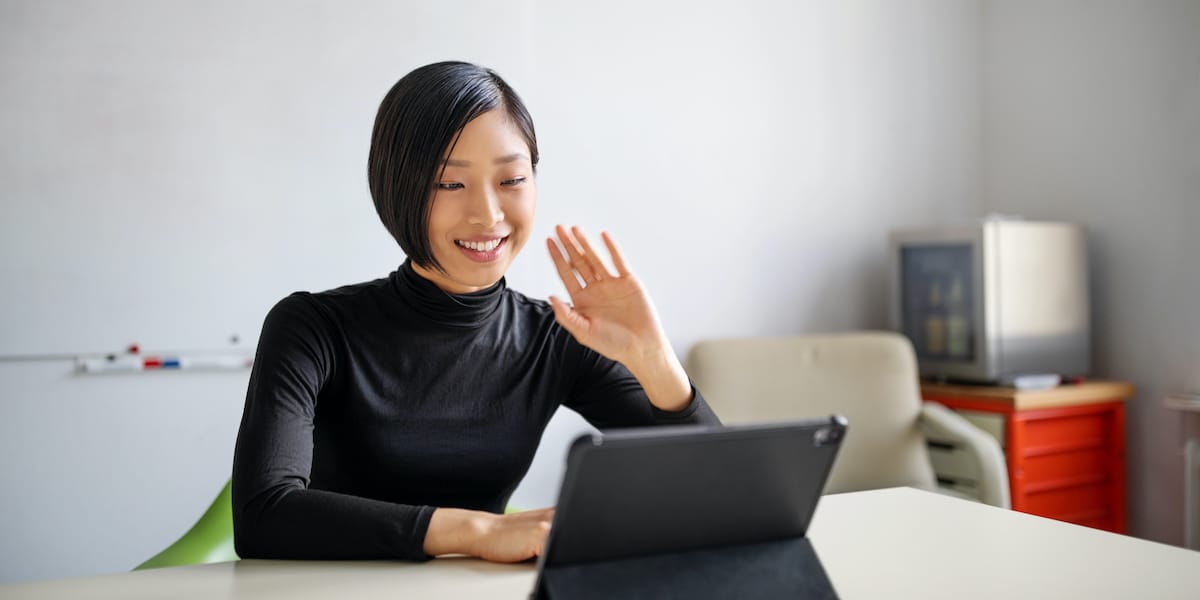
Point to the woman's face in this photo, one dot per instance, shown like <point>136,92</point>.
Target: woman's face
<point>483,205</point>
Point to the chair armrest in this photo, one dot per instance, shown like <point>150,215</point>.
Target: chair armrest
<point>940,424</point>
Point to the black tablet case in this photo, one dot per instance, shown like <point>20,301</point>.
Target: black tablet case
<point>697,512</point>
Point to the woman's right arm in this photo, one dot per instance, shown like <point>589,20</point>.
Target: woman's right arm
<point>276,515</point>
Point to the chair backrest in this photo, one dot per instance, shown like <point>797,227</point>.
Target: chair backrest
<point>869,377</point>
<point>209,540</point>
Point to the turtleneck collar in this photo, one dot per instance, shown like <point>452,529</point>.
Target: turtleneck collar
<point>441,307</point>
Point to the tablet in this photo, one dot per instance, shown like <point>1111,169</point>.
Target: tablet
<point>667,490</point>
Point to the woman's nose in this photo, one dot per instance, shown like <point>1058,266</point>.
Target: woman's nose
<point>485,209</point>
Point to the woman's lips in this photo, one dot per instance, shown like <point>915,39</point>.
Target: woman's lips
<point>482,251</point>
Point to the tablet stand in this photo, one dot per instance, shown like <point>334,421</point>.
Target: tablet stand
<point>780,569</point>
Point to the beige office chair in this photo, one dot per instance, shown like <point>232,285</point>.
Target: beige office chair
<point>870,378</point>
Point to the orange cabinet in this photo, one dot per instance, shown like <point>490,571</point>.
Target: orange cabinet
<point>1065,447</point>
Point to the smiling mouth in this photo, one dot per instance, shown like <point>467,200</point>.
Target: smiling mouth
<point>487,246</point>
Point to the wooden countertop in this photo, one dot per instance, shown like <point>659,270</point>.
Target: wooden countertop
<point>1063,395</point>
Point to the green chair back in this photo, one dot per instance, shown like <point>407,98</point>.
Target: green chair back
<point>209,540</point>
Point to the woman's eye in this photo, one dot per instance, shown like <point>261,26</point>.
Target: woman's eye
<point>513,181</point>
<point>450,186</point>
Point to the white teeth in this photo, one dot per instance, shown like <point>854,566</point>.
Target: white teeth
<point>487,246</point>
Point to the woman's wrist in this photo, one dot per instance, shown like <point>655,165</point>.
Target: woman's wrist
<point>663,377</point>
<point>456,531</point>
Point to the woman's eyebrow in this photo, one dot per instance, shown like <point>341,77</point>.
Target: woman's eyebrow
<point>507,158</point>
<point>515,156</point>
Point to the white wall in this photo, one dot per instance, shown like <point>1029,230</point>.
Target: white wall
<point>750,157</point>
<point>1092,114</point>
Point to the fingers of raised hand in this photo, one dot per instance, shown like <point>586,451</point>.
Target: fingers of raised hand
<point>615,252</point>
<point>582,256</point>
<point>599,269</point>
<point>561,264</point>
<point>575,254</point>
<point>577,261</point>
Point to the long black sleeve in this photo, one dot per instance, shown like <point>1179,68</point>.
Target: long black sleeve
<point>372,404</point>
<point>608,396</point>
<point>278,515</point>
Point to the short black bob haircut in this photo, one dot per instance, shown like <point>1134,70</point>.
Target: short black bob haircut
<point>418,122</point>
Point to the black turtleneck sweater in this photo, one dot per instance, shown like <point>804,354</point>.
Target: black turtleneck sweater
<point>371,404</point>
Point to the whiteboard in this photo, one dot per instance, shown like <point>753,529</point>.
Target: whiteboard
<point>169,175</point>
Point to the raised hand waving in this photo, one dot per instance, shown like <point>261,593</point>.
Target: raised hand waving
<point>612,314</point>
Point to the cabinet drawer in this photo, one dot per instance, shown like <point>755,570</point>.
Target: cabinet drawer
<point>1064,468</point>
<point>1071,503</point>
<point>1044,436</point>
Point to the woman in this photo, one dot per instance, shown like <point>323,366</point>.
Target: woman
<point>394,418</point>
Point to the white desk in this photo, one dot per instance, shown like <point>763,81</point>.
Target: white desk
<point>897,543</point>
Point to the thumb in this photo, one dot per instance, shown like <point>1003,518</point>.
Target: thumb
<point>570,319</point>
